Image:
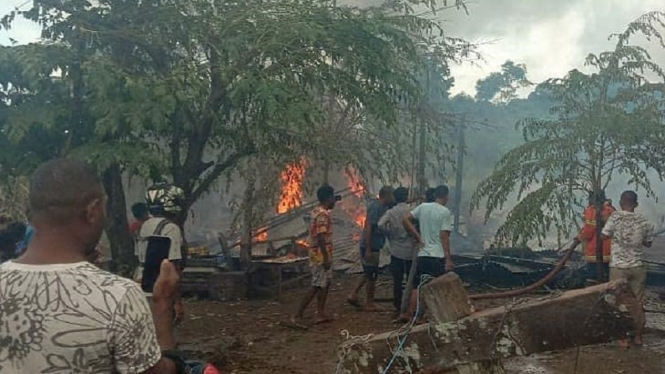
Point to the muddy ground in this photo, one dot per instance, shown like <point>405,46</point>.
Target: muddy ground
<point>253,337</point>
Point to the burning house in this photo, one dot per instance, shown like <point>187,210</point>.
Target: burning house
<point>281,238</point>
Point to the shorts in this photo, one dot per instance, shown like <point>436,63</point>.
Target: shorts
<point>636,277</point>
<point>321,278</point>
<point>431,266</point>
<point>371,266</point>
<point>591,270</point>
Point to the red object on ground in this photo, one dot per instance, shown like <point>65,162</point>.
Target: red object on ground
<point>211,370</point>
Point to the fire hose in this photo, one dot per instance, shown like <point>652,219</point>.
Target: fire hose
<point>534,286</point>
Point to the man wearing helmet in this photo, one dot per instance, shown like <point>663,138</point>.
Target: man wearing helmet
<point>164,203</point>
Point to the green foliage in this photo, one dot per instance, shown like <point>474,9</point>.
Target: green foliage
<point>13,197</point>
<point>502,86</point>
<point>605,123</point>
<point>192,90</point>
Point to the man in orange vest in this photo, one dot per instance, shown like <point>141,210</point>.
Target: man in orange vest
<point>588,235</point>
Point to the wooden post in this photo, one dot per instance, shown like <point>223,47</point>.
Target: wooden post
<point>459,173</point>
<point>422,178</point>
<point>248,221</point>
<point>447,301</point>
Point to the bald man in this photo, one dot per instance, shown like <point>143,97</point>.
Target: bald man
<point>61,314</point>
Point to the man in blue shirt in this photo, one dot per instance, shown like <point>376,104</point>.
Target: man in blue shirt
<point>371,244</point>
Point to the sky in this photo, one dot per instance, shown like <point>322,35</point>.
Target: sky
<point>550,37</point>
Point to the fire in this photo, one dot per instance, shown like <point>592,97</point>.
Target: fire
<point>357,187</point>
<point>292,178</point>
<point>261,235</point>
<point>355,182</point>
<point>303,243</point>
<point>360,217</point>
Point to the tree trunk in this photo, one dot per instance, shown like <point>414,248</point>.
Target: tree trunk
<point>522,328</point>
<point>247,224</point>
<point>117,227</point>
<point>326,171</point>
<point>599,243</point>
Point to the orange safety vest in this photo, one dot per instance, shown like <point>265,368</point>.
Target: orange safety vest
<point>588,233</point>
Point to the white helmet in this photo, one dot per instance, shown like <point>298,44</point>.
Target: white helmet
<point>164,197</point>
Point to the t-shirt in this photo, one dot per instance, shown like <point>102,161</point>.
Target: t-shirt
<point>320,223</point>
<point>170,230</point>
<point>401,244</point>
<point>375,211</point>
<point>73,318</point>
<point>433,218</point>
<point>628,231</point>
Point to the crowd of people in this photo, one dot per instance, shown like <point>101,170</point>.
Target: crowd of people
<point>59,312</point>
<point>422,233</point>
<point>419,241</point>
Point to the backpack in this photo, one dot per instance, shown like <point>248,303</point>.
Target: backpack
<point>183,247</point>
<point>151,271</point>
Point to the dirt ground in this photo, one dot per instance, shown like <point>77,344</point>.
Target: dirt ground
<point>253,337</point>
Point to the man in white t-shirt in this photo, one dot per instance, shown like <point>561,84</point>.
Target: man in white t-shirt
<point>630,233</point>
<point>164,203</point>
<point>61,314</point>
<point>436,224</point>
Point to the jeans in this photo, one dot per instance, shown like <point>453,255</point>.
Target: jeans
<point>400,270</point>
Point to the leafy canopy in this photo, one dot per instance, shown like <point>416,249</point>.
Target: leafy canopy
<point>605,123</point>
<point>189,91</point>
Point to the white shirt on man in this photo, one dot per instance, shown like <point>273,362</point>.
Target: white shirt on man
<point>433,218</point>
<point>170,230</point>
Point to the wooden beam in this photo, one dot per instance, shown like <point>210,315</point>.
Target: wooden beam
<point>593,315</point>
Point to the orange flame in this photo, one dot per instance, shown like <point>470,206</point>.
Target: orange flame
<point>355,182</point>
<point>261,235</point>
<point>360,217</point>
<point>357,187</point>
<point>292,178</point>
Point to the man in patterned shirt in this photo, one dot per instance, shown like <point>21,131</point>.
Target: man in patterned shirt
<point>61,314</point>
<point>320,256</point>
<point>630,232</point>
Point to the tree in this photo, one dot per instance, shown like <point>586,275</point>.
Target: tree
<point>188,92</point>
<point>502,86</point>
<point>261,80</point>
<point>605,123</point>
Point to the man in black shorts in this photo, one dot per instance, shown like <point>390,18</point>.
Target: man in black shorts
<point>371,244</point>
<point>436,224</point>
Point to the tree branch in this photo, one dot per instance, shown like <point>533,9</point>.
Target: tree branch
<point>216,172</point>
